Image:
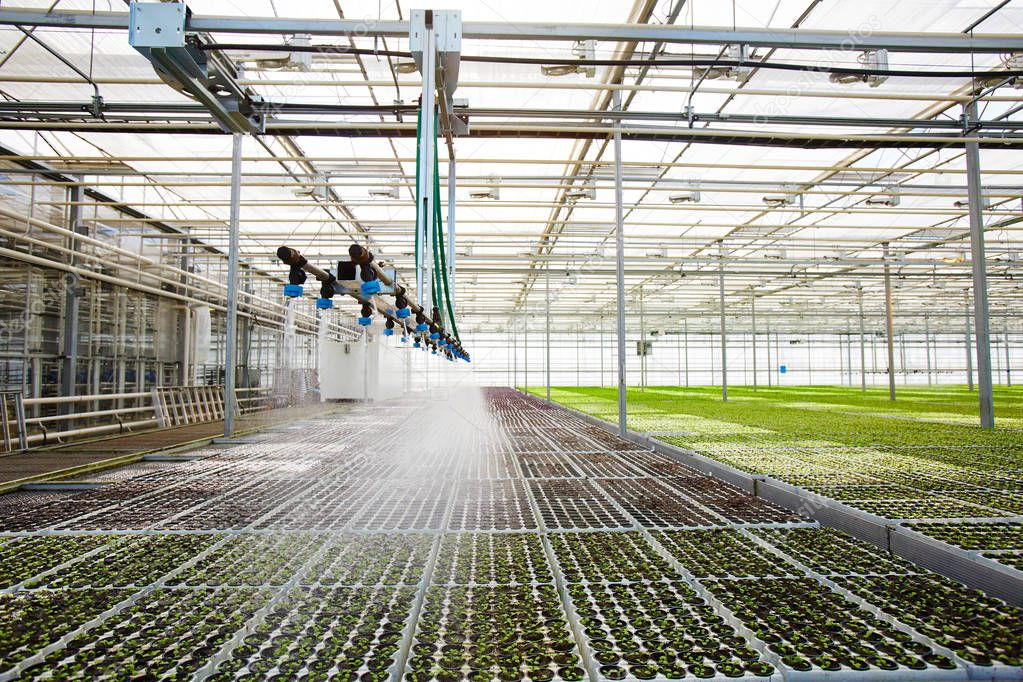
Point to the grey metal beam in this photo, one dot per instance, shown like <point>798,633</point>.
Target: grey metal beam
<point>72,300</point>
<point>797,39</point>
<point>231,343</point>
<point>968,342</point>
<point>888,323</point>
<point>753,314</point>
<point>547,328</point>
<point>721,305</point>
<point>980,303</point>
<point>863,349</point>
<point>620,267</point>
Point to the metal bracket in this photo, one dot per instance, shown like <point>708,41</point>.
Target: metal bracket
<point>159,32</point>
<point>446,26</point>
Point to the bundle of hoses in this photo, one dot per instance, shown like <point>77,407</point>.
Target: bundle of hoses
<point>440,287</point>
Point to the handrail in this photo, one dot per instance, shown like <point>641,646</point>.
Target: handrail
<point>160,407</point>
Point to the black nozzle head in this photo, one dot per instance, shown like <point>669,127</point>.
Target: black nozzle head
<point>360,255</point>
<point>367,311</point>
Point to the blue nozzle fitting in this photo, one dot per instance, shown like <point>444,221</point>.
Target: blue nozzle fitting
<point>442,343</point>
<point>365,321</point>
<point>388,332</point>
<point>434,352</point>
<point>435,335</point>
<point>324,303</point>
<point>293,290</point>
<point>403,313</point>
<point>421,327</point>
<point>404,339</point>
<point>371,287</point>
<point>417,345</point>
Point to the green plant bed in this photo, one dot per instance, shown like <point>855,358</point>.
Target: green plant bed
<point>721,552</point>
<point>130,561</point>
<point>645,630</point>
<point>832,552</point>
<point>995,535</point>
<point>167,633</point>
<point>373,559</point>
<point>340,633</point>
<point>483,633</point>
<point>812,628</point>
<point>252,560</point>
<point>481,558</point>
<point>610,557</point>
<point>1013,559</point>
<point>33,620</point>
<point>23,558</point>
<point>978,628</point>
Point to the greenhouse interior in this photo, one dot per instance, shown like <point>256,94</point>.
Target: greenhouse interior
<point>368,340</point>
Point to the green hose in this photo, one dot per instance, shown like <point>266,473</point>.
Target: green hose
<point>439,286</point>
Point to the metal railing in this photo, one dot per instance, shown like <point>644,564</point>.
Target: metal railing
<point>112,413</point>
<point>12,408</point>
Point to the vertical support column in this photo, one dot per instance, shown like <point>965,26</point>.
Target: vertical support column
<point>601,342</point>
<point>1008,364</point>
<point>977,256</point>
<point>753,315</point>
<point>547,335</point>
<point>927,346</point>
<point>642,341</point>
<point>678,357</point>
<point>424,173</point>
<point>888,323</point>
<point>848,354</point>
<point>724,331</point>
<point>863,347</point>
<point>525,350</point>
<point>620,264</point>
<point>231,347</point>
<point>809,359</point>
<point>770,365</point>
<point>72,299</point>
<point>969,343</point>
<point>515,356</point>
<point>841,361</point>
<point>685,340</point>
<point>578,360</point>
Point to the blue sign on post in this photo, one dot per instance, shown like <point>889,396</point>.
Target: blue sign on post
<point>784,369</point>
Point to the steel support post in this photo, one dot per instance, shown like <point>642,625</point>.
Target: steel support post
<point>863,347</point>
<point>980,304</point>
<point>1008,366</point>
<point>525,352</point>
<point>515,356</point>
<point>620,264</point>
<point>678,357</point>
<point>927,346</point>
<point>809,359</point>
<point>424,173</point>
<point>601,337</point>
<point>685,340</point>
<point>969,343</point>
<point>770,366</point>
<point>72,300</point>
<point>888,322</point>
<point>721,306</point>
<point>231,343</point>
<point>547,333</point>
<point>753,315</point>
<point>848,355</point>
<point>642,341</point>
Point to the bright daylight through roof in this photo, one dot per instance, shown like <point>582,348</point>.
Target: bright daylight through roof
<point>414,340</point>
